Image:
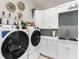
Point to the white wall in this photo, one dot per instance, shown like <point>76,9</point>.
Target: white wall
<point>26,12</point>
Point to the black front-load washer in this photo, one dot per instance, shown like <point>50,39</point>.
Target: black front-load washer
<point>15,45</point>
<point>35,38</point>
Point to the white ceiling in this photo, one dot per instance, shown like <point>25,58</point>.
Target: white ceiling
<point>45,4</point>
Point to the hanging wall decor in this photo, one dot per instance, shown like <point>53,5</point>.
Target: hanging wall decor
<point>20,15</point>
<point>21,6</point>
<point>10,7</point>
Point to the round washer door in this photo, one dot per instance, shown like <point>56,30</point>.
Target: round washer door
<point>15,45</point>
<point>35,38</point>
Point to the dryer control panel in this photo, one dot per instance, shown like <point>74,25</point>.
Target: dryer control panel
<point>5,29</point>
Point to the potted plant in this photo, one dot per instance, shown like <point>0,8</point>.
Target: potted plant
<point>23,24</point>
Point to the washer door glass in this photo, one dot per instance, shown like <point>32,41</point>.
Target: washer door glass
<point>35,38</point>
<point>15,45</point>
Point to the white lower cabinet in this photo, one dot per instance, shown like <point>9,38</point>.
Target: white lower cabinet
<point>63,53</point>
<point>73,54</point>
<point>52,49</point>
<point>58,50</point>
<point>44,46</point>
<point>48,48</point>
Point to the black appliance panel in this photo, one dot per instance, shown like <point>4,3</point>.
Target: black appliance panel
<point>35,38</point>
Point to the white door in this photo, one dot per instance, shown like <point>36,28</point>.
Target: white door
<point>52,49</point>
<point>38,18</point>
<point>63,53</point>
<point>53,18</point>
<point>50,18</point>
<point>44,46</point>
<point>73,54</point>
<point>45,21</point>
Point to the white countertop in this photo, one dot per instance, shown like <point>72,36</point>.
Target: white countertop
<point>64,43</point>
<point>49,37</point>
<point>57,39</point>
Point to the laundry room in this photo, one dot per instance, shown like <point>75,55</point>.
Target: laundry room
<point>38,29</point>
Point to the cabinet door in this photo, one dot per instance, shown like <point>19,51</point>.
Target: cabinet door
<point>73,54</point>
<point>63,53</point>
<point>38,18</point>
<point>45,21</point>
<point>53,18</point>
<point>52,49</point>
<point>44,46</point>
<point>50,18</point>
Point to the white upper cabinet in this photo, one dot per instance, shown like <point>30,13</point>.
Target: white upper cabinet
<point>50,19</point>
<point>68,7</point>
<point>38,18</point>
<point>46,19</point>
